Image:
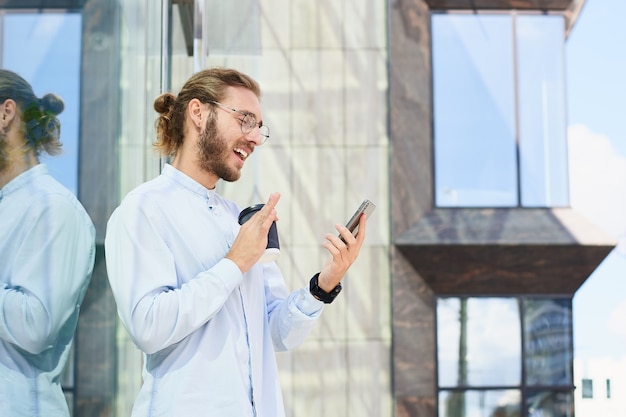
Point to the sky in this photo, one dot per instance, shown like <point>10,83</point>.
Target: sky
<point>596,89</point>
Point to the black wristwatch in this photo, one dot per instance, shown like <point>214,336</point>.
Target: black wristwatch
<point>320,294</point>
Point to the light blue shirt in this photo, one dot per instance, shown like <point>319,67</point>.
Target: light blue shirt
<point>209,332</point>
<point>46,260</point>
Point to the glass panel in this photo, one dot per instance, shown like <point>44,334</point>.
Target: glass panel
<point>548,340</point>
<point>550,404</point>
<point>542,113</point>
<point>229,28</point>
<point>478,342</point>
<point>489,403</point>
<point>52,65</point>
<point>474,111</point>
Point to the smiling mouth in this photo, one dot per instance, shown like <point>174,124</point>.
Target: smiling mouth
<point>242,153</point>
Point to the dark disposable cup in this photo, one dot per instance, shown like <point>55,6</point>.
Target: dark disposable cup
<point>272,251</point>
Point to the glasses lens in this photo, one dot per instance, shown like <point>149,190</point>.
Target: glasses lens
<point>265,132</point>
<point>248,123</point>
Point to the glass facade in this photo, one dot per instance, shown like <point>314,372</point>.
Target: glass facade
<point>322,70</point>
<point>52,65</point>
<point>504,356</point>
<point>499,110</point>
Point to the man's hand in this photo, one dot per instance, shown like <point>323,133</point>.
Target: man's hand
<point>342,255</point>
<point>251,241</point>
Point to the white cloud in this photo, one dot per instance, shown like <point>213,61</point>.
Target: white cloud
<point>597,179</point>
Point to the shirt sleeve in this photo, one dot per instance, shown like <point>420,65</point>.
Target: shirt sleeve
<point>49,274</point>
<point>291,316</point>
<point>155,308</point>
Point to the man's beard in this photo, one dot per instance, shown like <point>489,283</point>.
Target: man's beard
<point>213,153</point>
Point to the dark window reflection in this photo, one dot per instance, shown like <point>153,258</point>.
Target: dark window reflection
<point>547,327</point>
<point>550,404</point>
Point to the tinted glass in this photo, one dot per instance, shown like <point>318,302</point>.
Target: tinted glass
<point>542,116</point>
<point>550,404</point>
<point>478,342</point>
<point>547,328</point>
<point>474,110</point>
<point>499,111</point>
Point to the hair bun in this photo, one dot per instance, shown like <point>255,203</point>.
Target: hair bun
<point>51,103</point>
<point>163,103</point>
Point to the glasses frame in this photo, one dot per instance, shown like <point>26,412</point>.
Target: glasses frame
<point>246,128</point>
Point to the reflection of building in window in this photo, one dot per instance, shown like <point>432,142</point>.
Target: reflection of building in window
<point>508,355</point>
<point>587,387</point>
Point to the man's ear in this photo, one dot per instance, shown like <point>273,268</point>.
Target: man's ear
<point>8,112</point>
<point>195,108</point>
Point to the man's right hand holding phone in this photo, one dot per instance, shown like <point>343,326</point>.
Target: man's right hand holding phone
<point>343,253</point>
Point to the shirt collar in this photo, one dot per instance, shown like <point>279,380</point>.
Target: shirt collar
<point>186,181</point>
<point>23,179</point>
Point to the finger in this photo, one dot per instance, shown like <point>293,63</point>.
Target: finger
<point>360,237</point>
<point>268,214</point>
<point>345,234</point>
<point>271,202</point>
<point>336,242</point>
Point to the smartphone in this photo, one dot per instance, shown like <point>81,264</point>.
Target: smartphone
<point>366,207</point>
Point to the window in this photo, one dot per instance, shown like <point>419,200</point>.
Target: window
<point>587,386</point>
<point>608,388</point>
<point>499,110</point>
<point>504,356</point>
<point>52,65</point>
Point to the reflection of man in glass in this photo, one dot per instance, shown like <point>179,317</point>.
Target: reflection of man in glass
<point>46,255</point>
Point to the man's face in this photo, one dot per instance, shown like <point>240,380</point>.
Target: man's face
<point>214,152</point>
<point>222,147</point>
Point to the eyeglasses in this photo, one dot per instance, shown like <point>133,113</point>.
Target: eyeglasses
<point>248,122</point>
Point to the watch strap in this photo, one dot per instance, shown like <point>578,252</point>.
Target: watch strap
<point>320,294</point>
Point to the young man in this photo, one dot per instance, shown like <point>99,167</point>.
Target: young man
<point>46,255</point>
<point>185,275</point>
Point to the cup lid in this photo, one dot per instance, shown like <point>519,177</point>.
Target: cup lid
<point>249,211</point>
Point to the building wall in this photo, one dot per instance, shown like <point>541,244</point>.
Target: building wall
<point>411,198</point>
<point>323,71</point>
<point>599,370</point>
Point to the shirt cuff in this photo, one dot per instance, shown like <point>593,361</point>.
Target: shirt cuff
<point>307,304</point>
<point>228,273</point>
